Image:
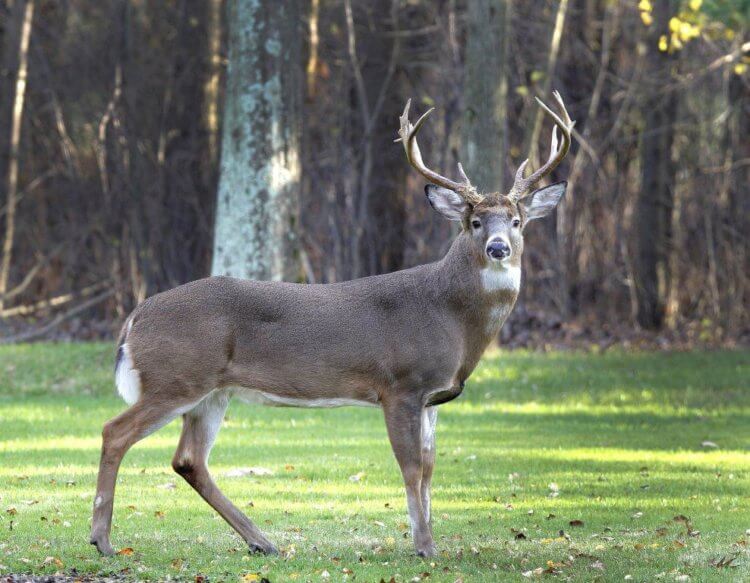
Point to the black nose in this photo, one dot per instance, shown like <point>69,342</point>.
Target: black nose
<point>498,249</point>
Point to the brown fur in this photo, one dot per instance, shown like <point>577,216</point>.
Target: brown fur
<point>403,341</point>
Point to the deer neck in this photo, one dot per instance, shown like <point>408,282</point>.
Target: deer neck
<point>481,294</point>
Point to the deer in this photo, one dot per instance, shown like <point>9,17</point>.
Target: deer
<point>405,342</point>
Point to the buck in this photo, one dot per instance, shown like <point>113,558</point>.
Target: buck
<point>405,342</point>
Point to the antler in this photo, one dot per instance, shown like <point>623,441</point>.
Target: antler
<point>408,133</point>
<point>522,185</point>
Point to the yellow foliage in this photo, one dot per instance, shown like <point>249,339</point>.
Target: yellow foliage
<point>695,5</point>
<point>740,68</point>
<point>645,6</point>
<point>647,18</point>
<point>663,46</point>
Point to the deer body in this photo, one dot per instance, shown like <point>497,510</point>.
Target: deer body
<point>405,342</point>
<point>357,341</point>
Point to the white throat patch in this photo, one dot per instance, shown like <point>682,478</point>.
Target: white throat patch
<point>501,278</point>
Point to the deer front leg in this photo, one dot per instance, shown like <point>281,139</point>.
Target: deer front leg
<point>429,422</point>
<point>404,423</point>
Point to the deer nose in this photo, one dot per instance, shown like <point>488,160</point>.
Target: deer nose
<point>498,249</point>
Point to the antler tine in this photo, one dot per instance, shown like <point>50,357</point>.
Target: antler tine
<point>562,122</point>
<point>408,136</point>
<point>461,172</point>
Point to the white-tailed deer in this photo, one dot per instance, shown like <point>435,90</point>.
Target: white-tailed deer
<point>405,342</point>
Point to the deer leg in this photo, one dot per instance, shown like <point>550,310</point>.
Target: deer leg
<point>429,421</point>
<point>199,429</point>
<point>404,423</point>
<point>118,436</point>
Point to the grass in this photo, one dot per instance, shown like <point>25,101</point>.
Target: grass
<point>536,443</point>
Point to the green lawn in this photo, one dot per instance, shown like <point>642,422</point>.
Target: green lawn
<point>537,443</point>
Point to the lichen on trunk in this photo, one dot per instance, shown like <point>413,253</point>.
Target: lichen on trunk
<point>260,171</point>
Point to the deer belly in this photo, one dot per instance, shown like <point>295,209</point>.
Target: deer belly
<point>258,397</point>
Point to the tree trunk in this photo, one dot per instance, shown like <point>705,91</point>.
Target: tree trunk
<point>16,65</point>
<point>211,87</point>
<point>656,195</point>
<point>485,97</point>
<point>260,171</point>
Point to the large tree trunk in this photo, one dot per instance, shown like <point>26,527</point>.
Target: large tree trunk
<point>653,210</point>
<point>260,170</point>
<point>484,121</point>
<point>11,116</point>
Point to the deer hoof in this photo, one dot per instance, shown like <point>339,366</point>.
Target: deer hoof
<point>103,546</point>
<point>265,548</point>
<point>428,551</point>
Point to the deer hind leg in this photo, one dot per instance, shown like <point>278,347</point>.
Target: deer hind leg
<point>199,429</point>
<point>404,423</point>
<point>429,422</point>
<point>118,436</point>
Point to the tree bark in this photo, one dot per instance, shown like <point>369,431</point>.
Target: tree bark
<point>656,195</point>
<point>260,171</point>
<point>211,87</point>
<point>16,64</point>
<point>485,96</point>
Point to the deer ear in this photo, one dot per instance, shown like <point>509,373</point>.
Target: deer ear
<point>447,202</point>
<point>541,202</point>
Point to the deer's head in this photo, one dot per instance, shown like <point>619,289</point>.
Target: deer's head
<point>495,222</point>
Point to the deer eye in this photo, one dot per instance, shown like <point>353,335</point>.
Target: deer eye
<point>476,224</point>
<point>516,222</point>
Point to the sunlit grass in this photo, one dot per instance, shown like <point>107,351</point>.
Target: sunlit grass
<point>617,441</point>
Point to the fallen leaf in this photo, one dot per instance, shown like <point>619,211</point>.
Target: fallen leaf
<point>250,577</point>
<point>597,565</point>
<point>168,486</point>
<point>357,477</point>
<point>576,522</point>
<point>127,551</point>
<point>709,444</point>
<point>159,514</point>
<point>53,561</point>
<point>11,510</point>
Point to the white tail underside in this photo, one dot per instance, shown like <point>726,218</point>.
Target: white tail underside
<point>127,377</point>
